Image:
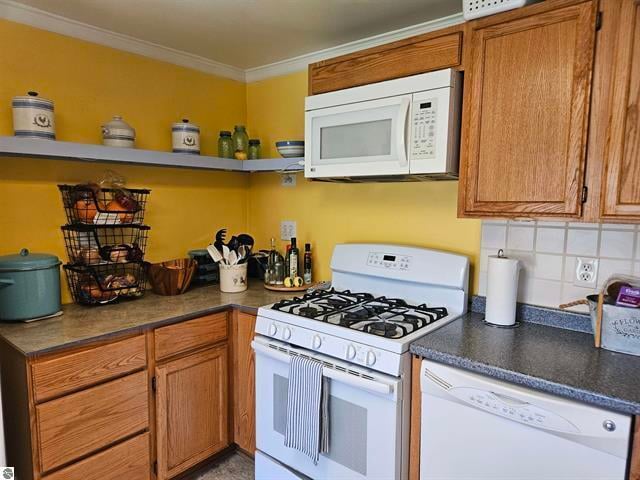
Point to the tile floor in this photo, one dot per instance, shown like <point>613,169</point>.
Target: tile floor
<point>234,467</point>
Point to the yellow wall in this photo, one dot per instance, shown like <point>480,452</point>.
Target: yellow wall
<point>89,84</point>
<point>422,214</point>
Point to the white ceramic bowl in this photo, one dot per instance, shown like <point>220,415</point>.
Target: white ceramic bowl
<point>291,148</point>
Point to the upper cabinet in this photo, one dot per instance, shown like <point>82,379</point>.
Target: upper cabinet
<point>526,110</point>
<point>411,56</point>
<point>621,182</point>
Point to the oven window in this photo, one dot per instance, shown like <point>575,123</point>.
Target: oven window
<point>347,427</point>
<point>364,139</point>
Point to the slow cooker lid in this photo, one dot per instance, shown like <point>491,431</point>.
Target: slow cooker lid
<point>26,260</point>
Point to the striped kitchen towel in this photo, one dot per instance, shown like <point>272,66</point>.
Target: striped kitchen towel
<point>307,408</point>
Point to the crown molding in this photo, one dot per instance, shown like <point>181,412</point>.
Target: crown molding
<point>17,12</point>
<point>301,62</point>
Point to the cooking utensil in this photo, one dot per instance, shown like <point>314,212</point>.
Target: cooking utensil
<point>29,286</point>
<point>233,257</point>
<point>246,239</point>
<point>225,253</point>
<point>242,253</point>
<point>220,238</point>
<point>215,254</point>
<point>233,243</point>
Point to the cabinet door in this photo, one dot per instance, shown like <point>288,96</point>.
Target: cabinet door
<point>526,110</point>
<point>244,382</point>
<point>191,410</point>
<point>621,189</point>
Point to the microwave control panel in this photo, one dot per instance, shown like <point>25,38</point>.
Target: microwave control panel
<point>424,128</point>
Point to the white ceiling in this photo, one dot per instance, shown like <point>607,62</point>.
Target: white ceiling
<point>249,33</point>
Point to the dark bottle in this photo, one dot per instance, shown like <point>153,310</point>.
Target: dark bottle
<point>307,264</point>
<point>294,255</point>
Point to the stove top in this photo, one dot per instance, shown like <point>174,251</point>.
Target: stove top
<point>385,317</point>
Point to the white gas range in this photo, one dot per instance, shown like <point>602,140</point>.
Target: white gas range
<point>383,297</point>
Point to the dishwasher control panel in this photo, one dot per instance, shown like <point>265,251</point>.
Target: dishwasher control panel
<point>513,409</point>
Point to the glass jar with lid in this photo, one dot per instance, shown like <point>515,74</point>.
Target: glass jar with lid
<point>225,145</point>
<point>240,139</point>
<point>254,149</point>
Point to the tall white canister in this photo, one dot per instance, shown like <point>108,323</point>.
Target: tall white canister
<point>502,290</point>
<point>185,137</point>
<point>33,117</point>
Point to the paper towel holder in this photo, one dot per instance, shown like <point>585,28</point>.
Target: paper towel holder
<point>517,323</point>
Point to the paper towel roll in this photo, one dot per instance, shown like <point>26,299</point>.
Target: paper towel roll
<point>502,290</point>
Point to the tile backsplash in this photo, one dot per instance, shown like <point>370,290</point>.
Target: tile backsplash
<point>548,252</point>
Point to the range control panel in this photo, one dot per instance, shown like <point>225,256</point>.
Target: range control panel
<point>389,261</point>
<point>424,128</point>
<point>513,409</point>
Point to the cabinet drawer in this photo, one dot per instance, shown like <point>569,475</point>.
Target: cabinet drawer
<point>128,460</point>
<point>63,374</point>
<point>83,422</point>
<point>190,335</point>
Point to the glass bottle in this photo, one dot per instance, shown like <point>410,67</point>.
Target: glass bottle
<point>225,145</point>
<point>307,275</point>
<point>294,255</point>
<point>254,149</point>
<point>240,139</point>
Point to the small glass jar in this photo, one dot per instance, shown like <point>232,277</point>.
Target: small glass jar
<point>254,149</point>
<point>225,145</point>
<point>240,139</point>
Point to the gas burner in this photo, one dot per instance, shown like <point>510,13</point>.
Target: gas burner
<point>338,302</point>
<point>383,329</point>
<point>308,311</point>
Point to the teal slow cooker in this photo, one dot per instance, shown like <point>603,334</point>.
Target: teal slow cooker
<point>29,286</point>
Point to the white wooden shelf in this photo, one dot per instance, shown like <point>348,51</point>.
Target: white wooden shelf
<point>53,149</point>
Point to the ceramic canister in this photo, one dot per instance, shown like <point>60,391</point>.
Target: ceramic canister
<point>33,117</point>
<point>118,133</point>
<point>185,137</point>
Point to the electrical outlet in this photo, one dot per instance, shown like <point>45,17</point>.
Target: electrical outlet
<point>288,180</point>
<point>586,274</point>
<point>287,230</point>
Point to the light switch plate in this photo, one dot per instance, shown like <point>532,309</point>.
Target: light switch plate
<point>288,229</point>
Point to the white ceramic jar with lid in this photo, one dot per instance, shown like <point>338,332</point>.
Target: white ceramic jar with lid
<point>33,117</point>
<point>118,133</point>
<point>185,137</point>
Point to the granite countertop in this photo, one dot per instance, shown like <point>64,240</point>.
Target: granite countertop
<point>550,359</point>
<point>81,324</point>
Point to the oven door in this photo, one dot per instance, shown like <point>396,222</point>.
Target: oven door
<point>365,417</point>
<point>360,139</point>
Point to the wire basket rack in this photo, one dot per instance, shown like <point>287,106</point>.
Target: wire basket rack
<point>88,204</point>
<point>105,283</point>
<point>104,244</point>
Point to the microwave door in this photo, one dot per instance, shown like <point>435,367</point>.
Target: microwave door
<point>361,139</point>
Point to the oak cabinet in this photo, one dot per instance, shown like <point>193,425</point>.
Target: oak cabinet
<point>419,54</point>
<point>526,108</point>
<point>244,384</point>
<point>191,410</point>
<point>621,181</point>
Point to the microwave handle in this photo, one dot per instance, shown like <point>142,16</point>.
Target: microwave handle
<point>401,131</point>
<point>361,383</point>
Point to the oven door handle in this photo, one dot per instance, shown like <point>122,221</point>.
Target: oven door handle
<point>346,378</point>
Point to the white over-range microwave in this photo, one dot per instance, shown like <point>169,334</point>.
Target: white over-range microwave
<point>403,129</point>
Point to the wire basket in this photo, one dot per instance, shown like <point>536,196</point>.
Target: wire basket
<point>102,284</point>
<point>103,244</point>
<point>88,204</point>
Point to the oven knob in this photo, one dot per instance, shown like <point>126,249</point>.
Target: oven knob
<point>371,358</point>
<point>317,341</point>
<point>273,329</point>
<point>351,352</point>
<point>286,334</point>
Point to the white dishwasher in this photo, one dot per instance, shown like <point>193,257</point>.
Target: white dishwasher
<point>477,428</point>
